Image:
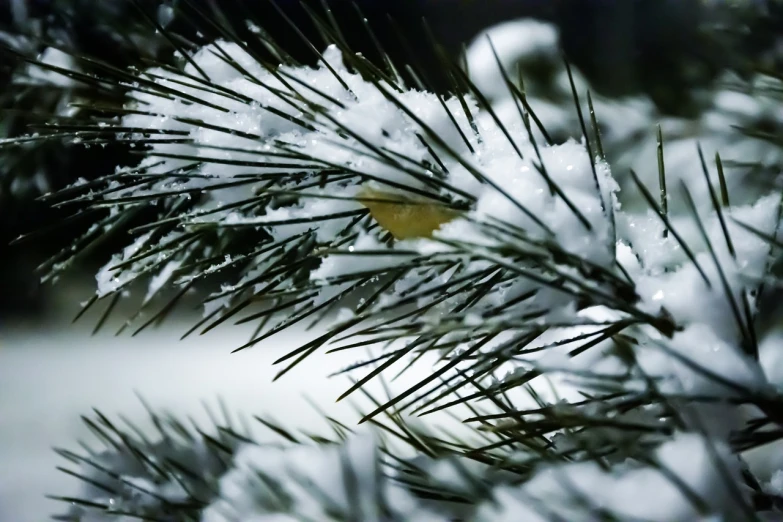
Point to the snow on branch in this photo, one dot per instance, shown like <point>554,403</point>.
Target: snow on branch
<point>609,354</point>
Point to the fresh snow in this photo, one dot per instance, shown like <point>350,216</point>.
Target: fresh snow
<point>53,372</point>
<point>701,294</point>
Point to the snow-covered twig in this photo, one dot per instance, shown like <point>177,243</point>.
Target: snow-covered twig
<point>600,343</point>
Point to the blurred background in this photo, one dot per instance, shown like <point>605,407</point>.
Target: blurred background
<point>51,371</point>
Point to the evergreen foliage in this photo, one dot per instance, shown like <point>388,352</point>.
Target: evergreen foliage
<point>599,309</point>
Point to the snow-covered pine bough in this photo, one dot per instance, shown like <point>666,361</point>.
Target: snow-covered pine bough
<point>602,346</point>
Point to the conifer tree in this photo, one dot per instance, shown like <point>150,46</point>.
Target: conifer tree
<point>595,278</point>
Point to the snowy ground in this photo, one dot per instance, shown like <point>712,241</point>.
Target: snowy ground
<point>52,373</point>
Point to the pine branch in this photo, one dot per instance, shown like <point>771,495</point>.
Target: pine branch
<point>466,233</point>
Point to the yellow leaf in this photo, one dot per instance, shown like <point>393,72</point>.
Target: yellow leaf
<point>406,218</point>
